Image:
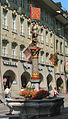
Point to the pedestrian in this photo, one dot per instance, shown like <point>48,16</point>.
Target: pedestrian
<point>7,92</point>
<point>55,92</point>
<point>22,89</point>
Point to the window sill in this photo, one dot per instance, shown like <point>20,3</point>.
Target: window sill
<point>14,31</point>
<point>23,35</point>
<point>5,28</point>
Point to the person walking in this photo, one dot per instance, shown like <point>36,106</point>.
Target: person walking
<point>55,92</point>
<point>7,92</point>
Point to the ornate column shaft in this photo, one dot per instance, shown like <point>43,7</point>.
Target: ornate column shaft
<point>35,74</point>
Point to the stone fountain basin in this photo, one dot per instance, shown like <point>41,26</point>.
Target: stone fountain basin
<point>40,107</point>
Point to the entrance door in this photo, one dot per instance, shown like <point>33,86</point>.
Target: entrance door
<point>10,77</point>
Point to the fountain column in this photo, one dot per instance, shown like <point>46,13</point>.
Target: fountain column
<point>35,74</point>
<point>35,53</point>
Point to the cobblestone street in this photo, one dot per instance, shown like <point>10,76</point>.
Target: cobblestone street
<point>64,115</point>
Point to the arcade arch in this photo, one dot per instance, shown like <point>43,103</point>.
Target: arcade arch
<point>25,78</point>
<point>8,78</point>
<point>49,80</point>
<point>59,84</point>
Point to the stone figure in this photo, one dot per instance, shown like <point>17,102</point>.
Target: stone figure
<point>35,32</point>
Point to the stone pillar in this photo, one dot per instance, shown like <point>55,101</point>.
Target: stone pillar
<point>0,52</point>
<point>1,80</point>
<point>35,74</point>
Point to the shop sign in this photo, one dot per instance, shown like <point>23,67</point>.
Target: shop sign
<point>40,68</point>
<point>14,82</point>
<point>50,69</point>
<point>15,64</point>
<point>26,65</point>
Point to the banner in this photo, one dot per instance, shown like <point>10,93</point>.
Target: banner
<point>51,59</point>
<point>35,13</point>
<point>55,59</point>
<point>27,53</point>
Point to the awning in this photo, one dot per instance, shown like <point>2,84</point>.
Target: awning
<point>4,80</point>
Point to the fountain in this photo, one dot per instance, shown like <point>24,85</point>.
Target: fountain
<point>35,107</point>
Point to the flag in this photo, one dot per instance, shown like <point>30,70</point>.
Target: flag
<point>27,53</point>
<point>35,13</point>
<point>51,58</point>
<point>66,63</point>
<point>55,59</point>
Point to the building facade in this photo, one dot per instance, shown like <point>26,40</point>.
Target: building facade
<point>15,37</point>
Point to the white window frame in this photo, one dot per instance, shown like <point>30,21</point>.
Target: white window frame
<point>46,36</point>
<point>13,23</point>
<point>41,37</point>
<point>21,53</point>
<point>29,30</point>
<point>13,51</point>
<point>5,19</point>
<point>4,51</point>
<point>21,27</point>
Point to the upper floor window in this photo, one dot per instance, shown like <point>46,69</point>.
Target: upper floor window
<point>29,30</point>
<point>46,36</point>
<point>41,35</point>
<point>47,57</point>
<point>42,58</point>
<point>56,45</point>
<point>4,19</point>
<point>61,47</point>
<point>4,49</point>
<point>21,51</point>
<point>21,27</point>
<point>13,23</point>
<point>61,65</point>
<point>13,50</point>
<point>51,40</point>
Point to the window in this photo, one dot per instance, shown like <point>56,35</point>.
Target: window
<point>4,19</point>
<point>46,57</point>
<point>13,51</point>
<point>22,3</point>
<point>21,53</point>
<point>21,27</point>
<point>4,49</point>
<point>61,64</point>
<point>28,30</point>
<point>41,57</point>
<point>56,45</point>
<point>66,52</point>
<point>61,47</point>
<point>41,36</point>
<point>13,24</point>
<point>51,38</point>
<point>46,36</point>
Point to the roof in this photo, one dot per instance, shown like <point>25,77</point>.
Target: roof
<point>62,15</point>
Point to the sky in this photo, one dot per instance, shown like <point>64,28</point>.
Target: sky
<point>64,3</point>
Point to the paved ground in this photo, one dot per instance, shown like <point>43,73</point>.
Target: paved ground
<point>64,115</point>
